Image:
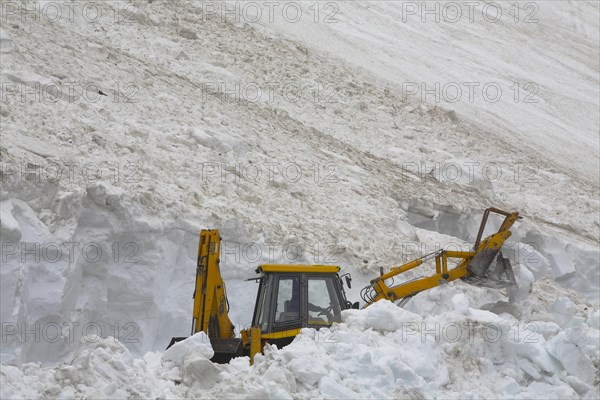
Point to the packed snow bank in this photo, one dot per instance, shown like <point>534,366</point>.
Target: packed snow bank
<point>190,359</point>
<point>381,352</point>
<point>142,294</point>
<point>95,266</point>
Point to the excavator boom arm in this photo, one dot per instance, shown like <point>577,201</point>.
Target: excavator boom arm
<point>409,289</point>
<point>475,267</point>
<point>210,312</point>
<point>210,296</point>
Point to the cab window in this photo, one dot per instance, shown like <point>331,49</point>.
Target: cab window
<point>287,311</point>
<point>323,303</point>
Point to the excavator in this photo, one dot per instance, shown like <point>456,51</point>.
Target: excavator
<point>291,297</point>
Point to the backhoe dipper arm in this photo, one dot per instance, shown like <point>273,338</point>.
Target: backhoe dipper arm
<point>210,297</point>
<point>474,266</point>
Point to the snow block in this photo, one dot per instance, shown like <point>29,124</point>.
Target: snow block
<point>199,344</point>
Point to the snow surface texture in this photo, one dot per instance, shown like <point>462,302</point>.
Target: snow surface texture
<point>359,201</point>
<point>381,352</point>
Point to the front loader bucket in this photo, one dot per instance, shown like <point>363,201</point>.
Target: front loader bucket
<point>489,269</point>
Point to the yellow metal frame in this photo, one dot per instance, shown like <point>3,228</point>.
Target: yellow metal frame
<point>257,339</point>
<point>298,268</point>
<point>442,275</point>
<point>281,334</point>
<point>210,296</point>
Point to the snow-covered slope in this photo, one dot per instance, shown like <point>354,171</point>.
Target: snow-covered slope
<point>527,69</point>
<point>346,170</point>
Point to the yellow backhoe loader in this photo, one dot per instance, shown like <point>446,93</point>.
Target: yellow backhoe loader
<point>291,297</point>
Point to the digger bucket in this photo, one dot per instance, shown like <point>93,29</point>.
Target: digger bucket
<point>489,269</point>
<point>175,340</point>
<point>224,349</point>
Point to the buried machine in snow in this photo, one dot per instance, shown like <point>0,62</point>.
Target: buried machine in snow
<point>291,297</point>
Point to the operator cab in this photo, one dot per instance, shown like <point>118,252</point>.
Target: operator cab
<point>298,296</point>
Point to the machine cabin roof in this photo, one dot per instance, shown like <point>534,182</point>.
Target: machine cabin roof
<point>331,269</point>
